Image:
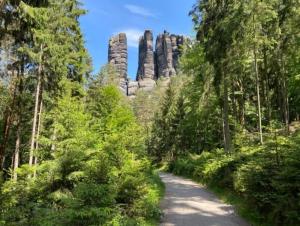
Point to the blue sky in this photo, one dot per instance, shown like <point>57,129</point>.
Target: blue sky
<point>108,17</point>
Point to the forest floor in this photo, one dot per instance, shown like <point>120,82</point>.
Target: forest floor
<point>187,203</point>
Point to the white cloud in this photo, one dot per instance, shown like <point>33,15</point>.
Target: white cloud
<point>138,10</point>
<point>133,36</point>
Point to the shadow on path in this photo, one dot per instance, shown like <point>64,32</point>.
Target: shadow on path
<point>188,204</point>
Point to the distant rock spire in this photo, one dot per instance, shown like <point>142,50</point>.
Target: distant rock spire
<point>146,70</point>
<point>117,54</point>
<point>167,51</point>
<point>152,65</point>
<point>118,57</point>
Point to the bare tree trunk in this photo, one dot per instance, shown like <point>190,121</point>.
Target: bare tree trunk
<point>33,133</point>
<point>285,97</point>
<point>227,138</point>
<point>234,102</point>
<point>38,134</point>
<point>18,139</point>
<point>257,85</point>
<point>286,107</point>
<point>36,108</point>
<point>258,97</point>
<point>241,104</point>
<point>267,87</point>
<point>17,151</point>
<point>242,108</point>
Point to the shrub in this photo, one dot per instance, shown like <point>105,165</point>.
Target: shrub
<point>266,178</point>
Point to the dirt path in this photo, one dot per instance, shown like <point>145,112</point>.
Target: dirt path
<point>186,203</point>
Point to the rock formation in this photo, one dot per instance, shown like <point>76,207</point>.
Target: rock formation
<point>167,51</point>
<point>146,69</point>
<point>177,43</point>
<point>118,56</point>
<point>132,88</point>
<point>161,63</point>
<point>164,56</point>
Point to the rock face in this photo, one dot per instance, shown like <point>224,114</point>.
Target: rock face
<point>132,88</point>
<point>146,69</point>
<point>161,63</point>
<point>167,51</point>
<point>164,56</point>
<point>118,56</point>
<point>177,42</point>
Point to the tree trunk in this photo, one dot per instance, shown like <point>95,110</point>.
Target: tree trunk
<point>38,134</point>
<point>258,97</point>
<point>18,135</point>
<point>286,107</point>
<point>267,87</point>
<point>5,134</point>
<point>36,109</point>
<point>17,150</point>
<point>241,104</point>
<point>257,85</point>
<point>8,121</point>
<point>234,101</point>
<point>226,130</point>
<point>285,97</point>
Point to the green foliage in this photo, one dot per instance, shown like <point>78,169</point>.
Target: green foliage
<point>242,90</point>
<point>166,122</point>
<point>93,176</point>
<point>266,178</point>
<point>43,42</point>
<point>188,116</point>
<point>57,44</point>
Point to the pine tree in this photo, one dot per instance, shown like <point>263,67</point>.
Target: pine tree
<point>56,51</point>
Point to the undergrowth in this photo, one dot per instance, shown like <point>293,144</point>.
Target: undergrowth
<point>262,182</point>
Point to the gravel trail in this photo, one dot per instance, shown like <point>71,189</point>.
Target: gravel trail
<point>187,203</point>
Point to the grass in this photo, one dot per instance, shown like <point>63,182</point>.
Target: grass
<point>157,194</point>
<point>229,197</point>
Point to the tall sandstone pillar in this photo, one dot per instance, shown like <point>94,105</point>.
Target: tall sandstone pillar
<point>167,51</point>
<point>146,69</point>
<point>164,56</point>
<point>118,57</point>
<point>177,41</point>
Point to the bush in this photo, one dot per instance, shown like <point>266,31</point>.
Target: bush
<point>97,175</point>
<point>266,178</point>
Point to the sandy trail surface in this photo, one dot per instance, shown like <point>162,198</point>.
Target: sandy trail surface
<point>187,203</point>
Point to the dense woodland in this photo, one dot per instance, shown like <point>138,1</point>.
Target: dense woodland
<point>75,151</point>
<point>71,149</point>
<point>231,120</point>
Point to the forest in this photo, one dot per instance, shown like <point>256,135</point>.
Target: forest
<point>75,151</point>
